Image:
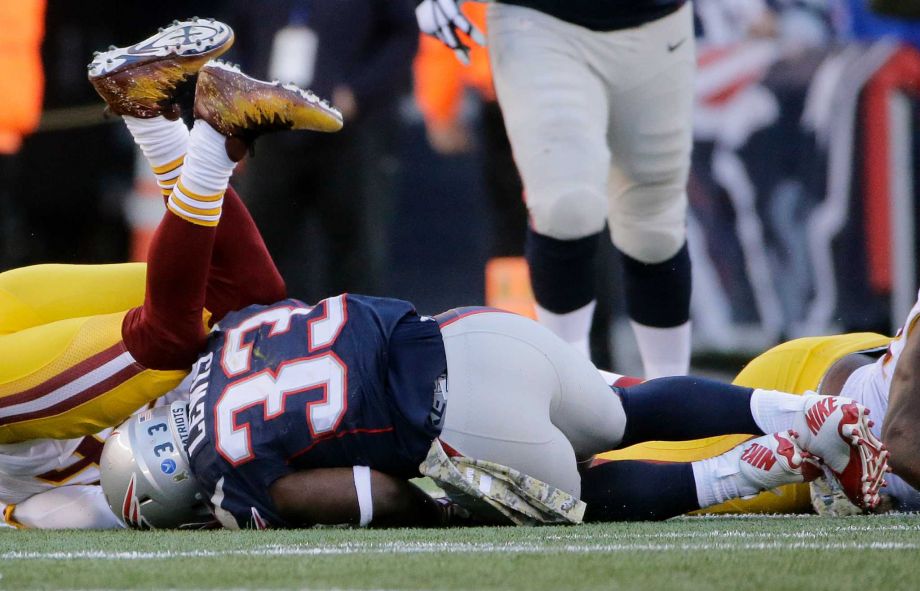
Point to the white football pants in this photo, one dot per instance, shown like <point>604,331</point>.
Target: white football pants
<point>583,108</point>
<point>520,396</point>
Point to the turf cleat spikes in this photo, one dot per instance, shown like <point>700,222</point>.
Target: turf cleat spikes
<point>837,431</point>
<point>142,80</point>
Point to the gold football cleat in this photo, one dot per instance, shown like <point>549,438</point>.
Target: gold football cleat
<point>242,107</point>
<point>141,80</point>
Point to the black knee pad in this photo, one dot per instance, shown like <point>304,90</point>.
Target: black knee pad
<point>658,294</point>
<point>561,271</point>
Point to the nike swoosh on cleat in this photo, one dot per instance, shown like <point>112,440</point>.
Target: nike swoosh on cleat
<point>672,48</point>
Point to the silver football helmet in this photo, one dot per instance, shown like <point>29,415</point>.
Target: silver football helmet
<point>145,472</point>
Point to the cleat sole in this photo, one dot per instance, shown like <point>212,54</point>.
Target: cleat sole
<point>868,458</point>
<point>187,39</point>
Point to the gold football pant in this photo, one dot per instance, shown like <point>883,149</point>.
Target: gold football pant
<point>64,370</point>
<point>795,367</point>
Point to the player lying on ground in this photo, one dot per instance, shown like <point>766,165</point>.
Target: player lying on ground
<point>818,363</point>
<point>288,398</point>
<point>84,353</point>
<point>319,414</point>
<point>812,364</point>
<point>876,371</point>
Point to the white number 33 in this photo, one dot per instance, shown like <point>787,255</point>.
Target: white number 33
<point>322,371</point>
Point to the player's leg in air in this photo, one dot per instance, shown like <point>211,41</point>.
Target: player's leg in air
<point>78,375</point>
<point>197,265</point>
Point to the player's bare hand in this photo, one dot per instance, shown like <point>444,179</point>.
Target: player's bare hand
<point>443,19</point>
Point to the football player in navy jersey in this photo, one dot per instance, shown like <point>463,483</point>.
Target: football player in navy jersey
<point>303,414</point>
<point>320,414</point>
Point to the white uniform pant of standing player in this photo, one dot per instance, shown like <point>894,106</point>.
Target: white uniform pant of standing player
<point>600,124</point>
<point>519,396</point>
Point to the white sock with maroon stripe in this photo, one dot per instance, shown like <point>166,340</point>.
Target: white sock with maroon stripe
<point>199,193</point>
<point>164,144</point>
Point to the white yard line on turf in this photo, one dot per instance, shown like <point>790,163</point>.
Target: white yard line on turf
<point>725,517</point>
<point>735,533</point>
<point>237,589</point>
<point>464,548</point>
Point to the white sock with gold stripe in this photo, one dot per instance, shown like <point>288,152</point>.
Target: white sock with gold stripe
<point>164,144</point>
<point>199,194</point>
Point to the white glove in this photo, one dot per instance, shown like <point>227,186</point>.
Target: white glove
<point>442,19</point>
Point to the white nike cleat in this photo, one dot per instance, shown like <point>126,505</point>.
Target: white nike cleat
<point>774,460</point>
<point>837,430</point>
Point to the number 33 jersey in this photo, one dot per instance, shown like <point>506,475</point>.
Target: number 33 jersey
<point>290,387</point>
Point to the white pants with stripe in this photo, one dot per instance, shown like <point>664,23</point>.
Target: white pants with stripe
<point>520,396</point>
<point>600,124</point>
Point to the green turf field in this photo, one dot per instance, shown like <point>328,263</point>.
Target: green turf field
<point>800,553</point>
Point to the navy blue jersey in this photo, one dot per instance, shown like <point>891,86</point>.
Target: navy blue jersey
<point>603,15</point>
<point>288,387</point>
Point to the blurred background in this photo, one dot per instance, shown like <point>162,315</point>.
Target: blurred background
<point>803,192</point>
